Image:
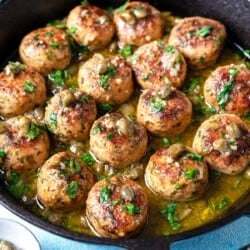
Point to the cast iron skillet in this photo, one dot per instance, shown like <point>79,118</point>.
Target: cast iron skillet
<point>18,17</point>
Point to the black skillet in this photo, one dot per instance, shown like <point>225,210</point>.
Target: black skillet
<point>17,17</point>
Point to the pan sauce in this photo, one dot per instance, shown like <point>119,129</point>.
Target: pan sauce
<point>224,191</point>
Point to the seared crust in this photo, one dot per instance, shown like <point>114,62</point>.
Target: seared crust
<point>21,89</point>
<point>70,114</point>
<point>238,101</point>
<point>107,79</point>
<point>46,49</point>
<point>199,39</point>
<point>178,178</point>
<point>26,146</point>
<point>156,64</point>
<point>124,211</point>
<point>224,140</point>
<point>164,111</point>
<point>117,140</point>
<point>55,188</point>
<point>138,23</point>
<point>91,26</point>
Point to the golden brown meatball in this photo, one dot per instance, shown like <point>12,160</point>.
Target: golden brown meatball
<point>117,207</point>
<point>25,144</point>
<point>138,23</point>
<point>106,78</point>
<point>177,173</point>
<point>46,49</point>
<point>117,140</point>
<point>70,114</point>
<point>224,140</point>
<point>156,64</point>
<point>228,89</point>
<point>21,89</point>
<point>164,111</point>
<point>199,39</point>
<point>64,182</point>
<point>91,26</point>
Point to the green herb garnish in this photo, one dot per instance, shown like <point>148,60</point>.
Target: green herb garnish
<point>73,165</point>
<point>59,77</point>
<point>193,156</point>
<point>157,104</point>
<point>54,45</point>
<point>29,86</point>
<point>126,51</point>
<point>166,142</point>
<point>34,130</point>
<point>110,136</point>
<point>104,108</point>
<point>191,173</point>
<point>170,49</point>
<point>88,159</point>
<point>191,85</point>
<point>53,121</point>
<point>85,99</point>
<point>104,78</point>
<point>72,189</point>
<point>169,213</point>
<point>105,194</point>
<point>204,31</point>
<point>131,208</point>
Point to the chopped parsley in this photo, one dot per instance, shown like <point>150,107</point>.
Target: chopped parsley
<point>110,136</point>
<point>72,30</point>
<point>166,142</point>
<point>104,108</point>
<point>29,87</point>
<point>54,45</point>
<point>53,121</point>
<point>170,49</point>
<point>105,194</point>
<point>126,51</point>
<point>104,78</point>
<point>157,104</point>
<point>204,31</point>
<point>85,99</point>
<point>191,85</point>
<point>227,88</point>
<point>59,77</point>
<point>97,130</point>
<point>34,130</point>
<point>16,67</point>
<point>191,173</point>
<point>169,213</point>
<point>73,165</point>
<point>224,202</point>
<point>56,23</point>
<point>131,209</point>
<point>84,2</point>
<point>2,154</point>
<point>72,189</point>
<point>193,156</point>
<point>88,159</point>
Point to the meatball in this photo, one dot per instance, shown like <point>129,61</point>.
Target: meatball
<point>70,114</point>
<point>177,173</point>
<point>199,39</point>
<point>228,89</point>
<point>156,64</point>
<point>21,89</point>
<point>116,207</point>
<point>224,140</point>
<point>64,182</point>
<point>164,111</point>
<point>117,140</point>
<point>46,49</point>
<point>138,23</point>
<point>91,26</point>
<point>25,144</point>
<point>107,79</point>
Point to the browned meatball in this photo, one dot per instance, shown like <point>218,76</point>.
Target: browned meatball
<point>21,89</point>
<point>117,140</point>
<point>138,23</point>
<point>64,182</point>
<point>116,207</point>
<point>46,49</point>
<point>70,114</point>
<point>91,26</point>
<point>106,78</point>
<point>224,140</point>
<point>157,63</point>
<point>177,173</point>
<point>25,144</point>
<point>199,39</point>
<point>164,111</point>
<point>228,89</point>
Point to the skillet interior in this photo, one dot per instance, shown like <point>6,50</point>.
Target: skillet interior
<point>31,14</point>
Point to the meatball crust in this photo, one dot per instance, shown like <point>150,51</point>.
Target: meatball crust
<point>64,182</point>
<point>46,49</point>
<point>156,64</point>
<point>199,39</point>
<point>116,207</point>
<point>92,26</point>
<point>164,111</point>
<point>21,89</point>
<point>70,114</point>
<point>224,140</point>
<point>176,173</point>
<point>228,89</point>
<point>25,144</point>
<point>118,141</point>
<point>138,23</point>
<point>108,79</point>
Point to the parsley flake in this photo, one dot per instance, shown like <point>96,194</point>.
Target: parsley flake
<point>72,189</point>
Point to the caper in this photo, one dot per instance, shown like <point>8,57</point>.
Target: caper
<point>175,150</point>
<point>233,130</point>
<point>128,17</point>
<point>140,12</point>
<point>67,98</point>
<point>127,193</point>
